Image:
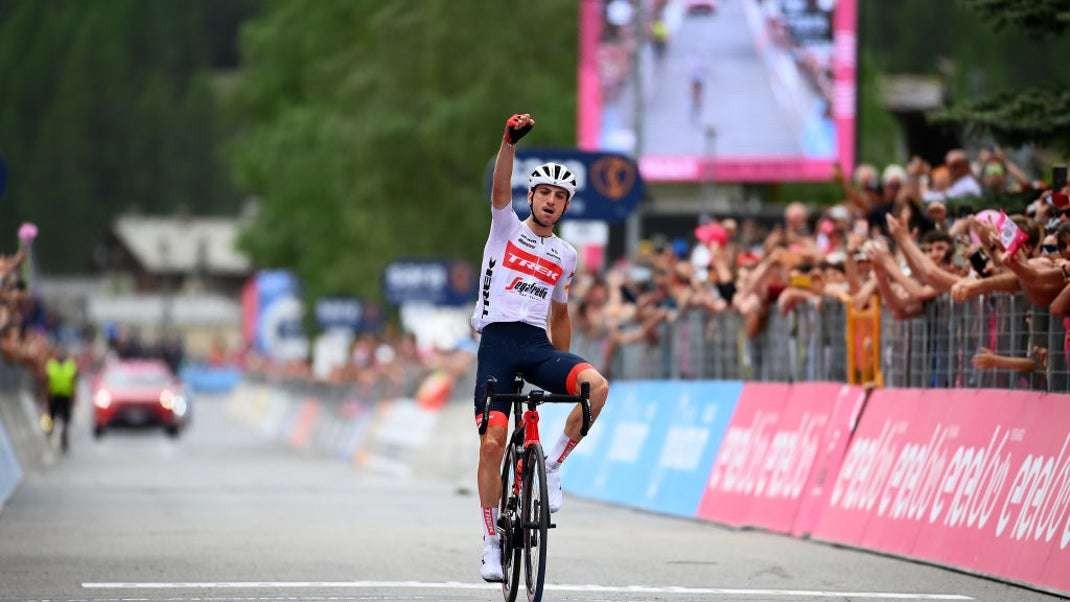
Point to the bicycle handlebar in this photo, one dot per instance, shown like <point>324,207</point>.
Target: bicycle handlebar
<point>536,398</point>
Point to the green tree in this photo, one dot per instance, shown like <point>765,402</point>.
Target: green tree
<point>105,107</point>
<point>991,54</point>
<point>366,127</point>
<point>1039,113</point>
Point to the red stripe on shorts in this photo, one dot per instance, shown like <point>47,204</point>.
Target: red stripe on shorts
<point>571,386</point>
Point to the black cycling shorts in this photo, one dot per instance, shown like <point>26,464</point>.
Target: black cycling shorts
<point>508,348</point>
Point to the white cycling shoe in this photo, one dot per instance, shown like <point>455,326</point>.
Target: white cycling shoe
<point>491,569</point>
<point>553,487</point>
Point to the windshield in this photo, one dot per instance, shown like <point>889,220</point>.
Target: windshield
<point>136,378</point>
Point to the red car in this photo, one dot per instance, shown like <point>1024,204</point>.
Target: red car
<point>138,393</point>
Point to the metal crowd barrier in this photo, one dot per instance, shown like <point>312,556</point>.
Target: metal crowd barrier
<point>828,342</point>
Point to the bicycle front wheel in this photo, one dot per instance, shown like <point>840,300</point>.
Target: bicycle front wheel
<point>510,547</point>
<point>535,521</point>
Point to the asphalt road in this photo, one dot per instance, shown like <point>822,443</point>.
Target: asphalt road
<point>224,515</point>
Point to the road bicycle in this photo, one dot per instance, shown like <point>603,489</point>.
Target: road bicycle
<point>524,509</point>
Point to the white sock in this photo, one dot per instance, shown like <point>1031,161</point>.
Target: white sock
<point>560,451</point>
<point>488,517</point>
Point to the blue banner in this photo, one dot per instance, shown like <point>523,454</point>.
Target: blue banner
<point>608,185</point>
<point>653,446</point>
<point>279,332</point>
<point>339,312</point>
<point>432,281</point>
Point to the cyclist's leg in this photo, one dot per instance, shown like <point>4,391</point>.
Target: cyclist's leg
<point>65,413</point>
<point>562,372</point>
<point>494,360</point>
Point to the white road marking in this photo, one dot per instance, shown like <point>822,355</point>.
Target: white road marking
<point>606,589</point>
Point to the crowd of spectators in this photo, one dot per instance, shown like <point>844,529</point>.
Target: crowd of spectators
<point>24,326</point>
<point>901,237</point>
<point>383,364</point>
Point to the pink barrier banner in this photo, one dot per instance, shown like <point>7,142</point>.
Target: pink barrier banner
<point>975,479</point>
<point>778,436</point>
<point>841,425</point>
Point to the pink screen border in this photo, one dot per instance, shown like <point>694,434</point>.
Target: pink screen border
<point>728,168</point>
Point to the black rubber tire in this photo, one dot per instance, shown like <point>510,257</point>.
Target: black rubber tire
<point>173,431</point>
<point>534,511</point>
<point>98,431</point>
<point>510,551</point>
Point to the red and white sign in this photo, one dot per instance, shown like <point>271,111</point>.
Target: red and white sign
<point>519,260</point>
<point>976,479</point>
<point>779,434</point>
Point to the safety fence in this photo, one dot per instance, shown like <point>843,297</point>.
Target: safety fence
<point>418,432</point>
<point>23,446</point>
<point>832,342</point>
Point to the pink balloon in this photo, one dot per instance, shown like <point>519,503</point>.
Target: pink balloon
<point>27,232</point>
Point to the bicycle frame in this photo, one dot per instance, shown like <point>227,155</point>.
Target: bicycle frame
<point>526,424</point>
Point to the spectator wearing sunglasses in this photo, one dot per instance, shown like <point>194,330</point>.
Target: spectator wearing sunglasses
<point>1049,247</point>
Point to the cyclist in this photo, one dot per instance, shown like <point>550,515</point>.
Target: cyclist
<point>522,313</point>
<point>698,73</point>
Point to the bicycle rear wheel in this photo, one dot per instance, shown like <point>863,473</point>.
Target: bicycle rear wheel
<point>535,521</point>
<point>508,516</point>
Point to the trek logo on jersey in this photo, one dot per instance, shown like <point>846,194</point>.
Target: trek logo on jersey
<point>487,277</point>
<point>519,260</point>
<point>519,285</point>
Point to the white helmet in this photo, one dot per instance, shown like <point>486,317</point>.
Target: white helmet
<point>553,174</point>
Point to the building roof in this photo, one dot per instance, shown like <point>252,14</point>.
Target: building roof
<point>180,244</point>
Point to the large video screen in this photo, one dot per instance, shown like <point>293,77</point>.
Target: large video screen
<point>727,90</point>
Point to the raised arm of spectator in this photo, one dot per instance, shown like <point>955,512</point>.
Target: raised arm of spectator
<point>761,272</point>
<point>10,263</point>
<point>902,306</point>
<point>920,264</point>
<point>1061,305</point>
<point>1041,283</point>
<point>1005,282</point>
<point>860,299</point>
<point>902,302</point>
<point>883,259</point>
<point>985,359</point>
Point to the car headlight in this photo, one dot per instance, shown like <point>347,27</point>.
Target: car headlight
<point>175,402</point>
<point>102,399</point>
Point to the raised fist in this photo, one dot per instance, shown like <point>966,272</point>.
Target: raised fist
<point>516,126</point>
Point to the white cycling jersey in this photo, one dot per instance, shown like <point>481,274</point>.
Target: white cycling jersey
<point>521,273</point>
